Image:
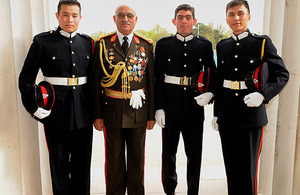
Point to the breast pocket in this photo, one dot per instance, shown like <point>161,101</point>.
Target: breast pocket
<point>84,62</point>
<point>56,64</point>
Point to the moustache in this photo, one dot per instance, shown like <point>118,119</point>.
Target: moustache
<point>125,22</point>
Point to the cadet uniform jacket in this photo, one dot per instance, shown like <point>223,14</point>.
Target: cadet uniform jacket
<point>117,113</point>
<point>238,55</point>
<point>180,58</point>
<point>59,56</point>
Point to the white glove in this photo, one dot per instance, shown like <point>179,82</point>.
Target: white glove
<point>204,98</point>
<point>160,118</point>
<point>253,99</point>
<point>41,113</point>
<point>214,123</point>
<point>136,99</point>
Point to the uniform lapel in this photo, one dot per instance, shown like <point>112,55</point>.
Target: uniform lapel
<point>133,46</point>
<point>117,47</point>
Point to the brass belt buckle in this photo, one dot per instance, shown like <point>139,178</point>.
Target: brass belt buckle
<point>235,85</point>
<point>184,81</point>
<point>72,81</point>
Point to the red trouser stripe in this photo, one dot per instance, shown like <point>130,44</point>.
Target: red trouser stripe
<point>259,150</point>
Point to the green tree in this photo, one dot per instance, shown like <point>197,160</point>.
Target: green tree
<point>98,34</point>
<point>155,34</point>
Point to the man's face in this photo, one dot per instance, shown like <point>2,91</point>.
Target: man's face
<point>184,22</point>
<point>237,18</point>
<point>125,20</point>
<point>69,17</point>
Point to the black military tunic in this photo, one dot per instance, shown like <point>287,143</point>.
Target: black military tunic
<point>68,128</point>
<point>181,57</point>
<point>240,126</point>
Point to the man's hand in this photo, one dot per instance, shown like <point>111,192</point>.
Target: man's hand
<point>136,98</point>
<point>204,98</point>
<point>150,125</point>
<point>99,124</point>
<point>253,99</point>
<point>214,123</point>
<point>41,113</point>
<point>160,118</point>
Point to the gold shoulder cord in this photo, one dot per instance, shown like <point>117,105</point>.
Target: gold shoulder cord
<point>262,49</point>
<point>110,80</point>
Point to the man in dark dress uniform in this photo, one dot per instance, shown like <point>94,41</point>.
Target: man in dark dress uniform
<point>177,59</point>
<point>63,57</point>
<point>240,113</point>
<point>123,102</point>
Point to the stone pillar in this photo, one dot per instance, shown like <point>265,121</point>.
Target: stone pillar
<point>288,104</point>
<point>273,26</point>
<point>20,171</point>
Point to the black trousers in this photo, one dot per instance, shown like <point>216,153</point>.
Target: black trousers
<point>70,160</point>
<point>192,138</point>
<point>122,174</point>
<point>241,149</point>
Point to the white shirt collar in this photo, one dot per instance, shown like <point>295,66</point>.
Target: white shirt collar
<point>240,36</point>
<point>68,35</point>
<point>182,38</point>
<point>120,37</point>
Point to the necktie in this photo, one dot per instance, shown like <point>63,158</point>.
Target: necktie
<point>125,45</point>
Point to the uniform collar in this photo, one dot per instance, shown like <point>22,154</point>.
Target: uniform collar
<point>240,36</point>
<point>66,34</point>
<point>184,39</point>
<point>120,37</point>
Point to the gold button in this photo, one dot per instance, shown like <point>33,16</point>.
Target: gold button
<point>236,69</point>
<point>185,54</point>
<point>74,87</point>
<point>251,61</point>
<point>71,41</point>
<point>72,52</point>
<point>184,66</point>
<point>184,88</point>
<point>53,58</point>
<point>200,60</point>
<point>185,44</point>
<point>237,43</point>
<point>236,94</point>
<point>73,76</point>
<point>169,60</point>
<point>222,62</point>
<point>236,56</point>
<point>105,103</point>
<point>88,57</point>
<point>74,64</point>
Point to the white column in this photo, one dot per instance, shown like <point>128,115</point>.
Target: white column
<point>273,26</point>
<point>288,103</point>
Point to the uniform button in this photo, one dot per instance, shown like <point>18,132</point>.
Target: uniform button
<point>236,94</point>
<point>184,66</point>
<point>105,103</point>
<point>236,69</point>
<point>71,41</point>
<point>73,76</point>
<point>169,60</point>
<point>222,62</point>
<point>74,87</point>
<point>185,54</point>
<point>251,61</point>
<point>88,57</point>
<point>72,52</point>
<point>200,60</point>
<point>184,88</point>
<point>53,58</point>
<point>126,59</point>
<point>74,64</point>
<point>236,56</point>
<point>237,43</point>
<point>185,44</point>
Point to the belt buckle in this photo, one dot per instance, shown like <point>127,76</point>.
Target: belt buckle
<point>72,81</point>
<point>184,80</point>
<point>235,85</point>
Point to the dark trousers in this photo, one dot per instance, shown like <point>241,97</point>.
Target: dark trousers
<point>122,174</point>
<point>241,149</point>
<point>192,138</point>
<point>70,160</point>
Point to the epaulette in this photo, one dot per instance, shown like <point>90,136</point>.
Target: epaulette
<point>85,35</point>
<point>106,35</point>
<point>201,38</point>
<point>145,38</point>
<point>45,33</point>
<point>258,36</point>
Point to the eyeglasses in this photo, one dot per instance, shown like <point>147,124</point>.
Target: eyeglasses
<point>122,15</point>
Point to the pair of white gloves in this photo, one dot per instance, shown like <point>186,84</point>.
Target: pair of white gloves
<point>252,100</point>
<point>202,100</point>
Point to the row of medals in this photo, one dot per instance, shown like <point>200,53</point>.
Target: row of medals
<point>136,65</point>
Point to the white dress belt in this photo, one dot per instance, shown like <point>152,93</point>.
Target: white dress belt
<point>177,80</point>
<point>236,85</point>
<point>66,81</point>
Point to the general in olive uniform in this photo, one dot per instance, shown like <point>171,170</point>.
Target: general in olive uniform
<point>123,101</point>
<point>63,56</point>
<point>177,59</point>
<point>240,108</point>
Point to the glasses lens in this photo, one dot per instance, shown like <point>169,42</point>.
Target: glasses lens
<point>122,15</point>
